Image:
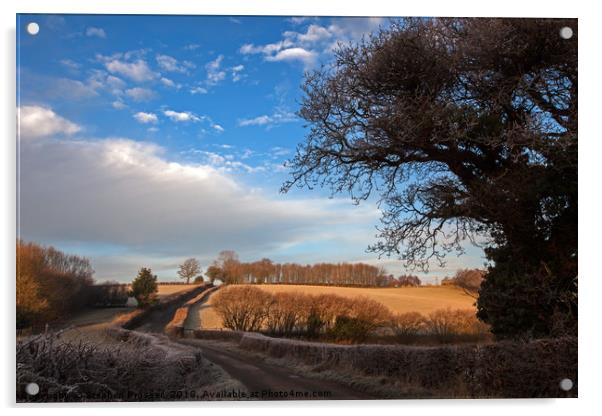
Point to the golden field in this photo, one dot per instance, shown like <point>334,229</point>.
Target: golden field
<point>165,290</point>
<point>399,300</point>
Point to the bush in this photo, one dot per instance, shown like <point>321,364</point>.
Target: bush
<point>447,324</point>
<point>144,287</point>
<point>285,314</point>
<point>337,318</point>
<point>406,326</point>
<point>243,308</point>
<point>357,318</point>
<point>248,308</point>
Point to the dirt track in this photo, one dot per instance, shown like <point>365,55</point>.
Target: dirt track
<point>262,380</point>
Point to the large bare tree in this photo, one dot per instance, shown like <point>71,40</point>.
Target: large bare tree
<point>462,129</point>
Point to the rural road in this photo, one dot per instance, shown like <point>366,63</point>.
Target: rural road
<point>263,381</point>
<point>270,382</point>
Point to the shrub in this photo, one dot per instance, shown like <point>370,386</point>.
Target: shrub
<point>357,318</point>
<point>407,326</point>
<point>348,329</point>
<point>447,324</point>
<point>243,308</point>
<point>247,308</point>
<point>285,313</point>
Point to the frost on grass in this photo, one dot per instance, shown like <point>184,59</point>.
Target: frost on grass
<point>139,367</point>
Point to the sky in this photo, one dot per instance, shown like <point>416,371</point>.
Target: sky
<point>145,140</point>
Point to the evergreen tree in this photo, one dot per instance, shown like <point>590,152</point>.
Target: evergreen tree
<point>144,287</point>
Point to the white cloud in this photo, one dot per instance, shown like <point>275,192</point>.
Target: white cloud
<point>192,46</point>
<point>278,117</point>
<point>218,128</point>
<point>307,46</point>
<point>198,90</point>
<point>314,33</point>
<point>284,50</point>
<point>183,116</point>
<point>268,49</point>
<point>146,118</point>
<point>100,80</point>
<point>169,83</point>
<point>255,121</point>
<point>118,105</point>
<point>36,122</point>
<point>292,54</point>
<point>171,64</point>
<point>138,70</point>
<point>215,73</point>
<point>237,74</point>
<point>140,94</point>
<point>96,31</point>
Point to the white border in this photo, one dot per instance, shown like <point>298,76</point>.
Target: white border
<point>589,181</point>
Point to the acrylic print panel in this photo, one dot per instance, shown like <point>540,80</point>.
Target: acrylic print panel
<point>306,208</point>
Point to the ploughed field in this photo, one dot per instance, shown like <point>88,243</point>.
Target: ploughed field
<point>399,300</point>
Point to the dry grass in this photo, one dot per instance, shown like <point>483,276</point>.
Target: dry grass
<point>424,300</point>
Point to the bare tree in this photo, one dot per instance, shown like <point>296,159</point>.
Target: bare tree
<point>190,269</point>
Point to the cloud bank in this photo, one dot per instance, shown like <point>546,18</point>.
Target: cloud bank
<point>130,196</point>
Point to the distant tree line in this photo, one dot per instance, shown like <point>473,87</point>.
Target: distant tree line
<point>229,269</point>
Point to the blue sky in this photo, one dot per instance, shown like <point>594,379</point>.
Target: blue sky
<point>148,139</point>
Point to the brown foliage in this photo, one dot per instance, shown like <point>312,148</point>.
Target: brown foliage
<point>231,270</point>
<point>243,308</point>
<point>286,312</point>
<point>405,325</point>
<point>49,283</point>
<point>446,324</point>
<point>248,308</point>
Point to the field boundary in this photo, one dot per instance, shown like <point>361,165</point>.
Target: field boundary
<point>502,369</point>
